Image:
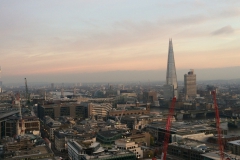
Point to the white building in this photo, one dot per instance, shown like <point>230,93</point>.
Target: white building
<point>127,144</point>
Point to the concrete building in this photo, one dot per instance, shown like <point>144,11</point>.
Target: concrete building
<point>234,146</point>
<point>215,156</point>
<point>171,86</point>
<point>93,151</point>
<point>101,109</point>
<point>51,125</point>
<point>109,136</point>
<point>151,97</point>
<point>5,113</point>
<point>157,130</point>
<point>74,110</point>
<point>127,144</point>
<point>132,109</point>
<point>190,86</point>
<point>24,147</point>
<point>28,124</point>
<point>128,93</point>
<point>190,150</point>
<point>63,136</point>
<point>225,140</point>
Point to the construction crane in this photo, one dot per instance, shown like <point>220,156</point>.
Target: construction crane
<point>21,121</point>
<point>119,120</point>
<point>27,94</point>
<point>168,126</point>
<point>219,132</point>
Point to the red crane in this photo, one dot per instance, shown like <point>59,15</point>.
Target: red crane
<point>219,132</point>
<point>168,126</point>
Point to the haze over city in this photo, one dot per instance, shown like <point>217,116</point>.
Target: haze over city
<point>109,40</point>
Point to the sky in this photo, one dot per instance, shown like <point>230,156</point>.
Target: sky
<point>112,40</point>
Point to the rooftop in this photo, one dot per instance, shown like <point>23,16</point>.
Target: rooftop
<point>216,156</point>
<point>110,133</point>
<point>236,142</point>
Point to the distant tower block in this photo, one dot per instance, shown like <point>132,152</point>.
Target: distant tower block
<point>62,93</point>
<point>190,86</point>
<point>52,85</point>
<point>171,86</point>
<point>74,91</point>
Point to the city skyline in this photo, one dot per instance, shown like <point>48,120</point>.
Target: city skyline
<point>43,40</point>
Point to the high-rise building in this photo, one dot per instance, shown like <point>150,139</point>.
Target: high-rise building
<point>171,86</point>
<point>190,86</point>
<point>52,85</point>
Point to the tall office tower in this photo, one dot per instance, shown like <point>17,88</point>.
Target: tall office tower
<point>190,86</point>
<point>52,85</point>
<point>171,86</point>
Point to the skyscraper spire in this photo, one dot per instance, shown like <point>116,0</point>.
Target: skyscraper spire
<point>171,77</point>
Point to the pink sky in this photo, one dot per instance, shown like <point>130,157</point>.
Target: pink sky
<point>87,37</point>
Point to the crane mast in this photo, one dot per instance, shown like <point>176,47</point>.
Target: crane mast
<point>168,126</point>
<point>219,132</point>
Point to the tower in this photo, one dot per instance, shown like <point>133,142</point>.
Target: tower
<point>171,86</point>
<point>190,87</point>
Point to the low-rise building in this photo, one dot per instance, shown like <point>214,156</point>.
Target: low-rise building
<point>131,109</point>
<point>93,151</point>
<point>225,139</point>
<point>191,150</point>
<point>127,144</point>
<point>62,137</point>
<point>216,156</point>
<point>51,125</point>
<point>234,146</point>
<point>157,129</point>
<point>25,147</point>
<point>109,136</point>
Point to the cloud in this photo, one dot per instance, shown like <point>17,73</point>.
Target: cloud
<point>224,30</point>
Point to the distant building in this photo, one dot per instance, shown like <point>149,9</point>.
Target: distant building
<point>28,124</point>
<point>190,86</point>
<point>171,87</point>
<point>24,147</point>
<point>134,109</point>
<point>101,109</point>
<point>51,126</point>
<point>52,85</point>
<point>82,110</point>
<point>150,97</point>
<point>128,93</point>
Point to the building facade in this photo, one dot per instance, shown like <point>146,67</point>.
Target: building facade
<point>190,86</point>
<point>82,111</point>
<point>127,144</point>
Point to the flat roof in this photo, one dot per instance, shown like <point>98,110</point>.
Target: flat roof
<point>236,142</point>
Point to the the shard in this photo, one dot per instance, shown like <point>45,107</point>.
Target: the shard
<point>171,87</point>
